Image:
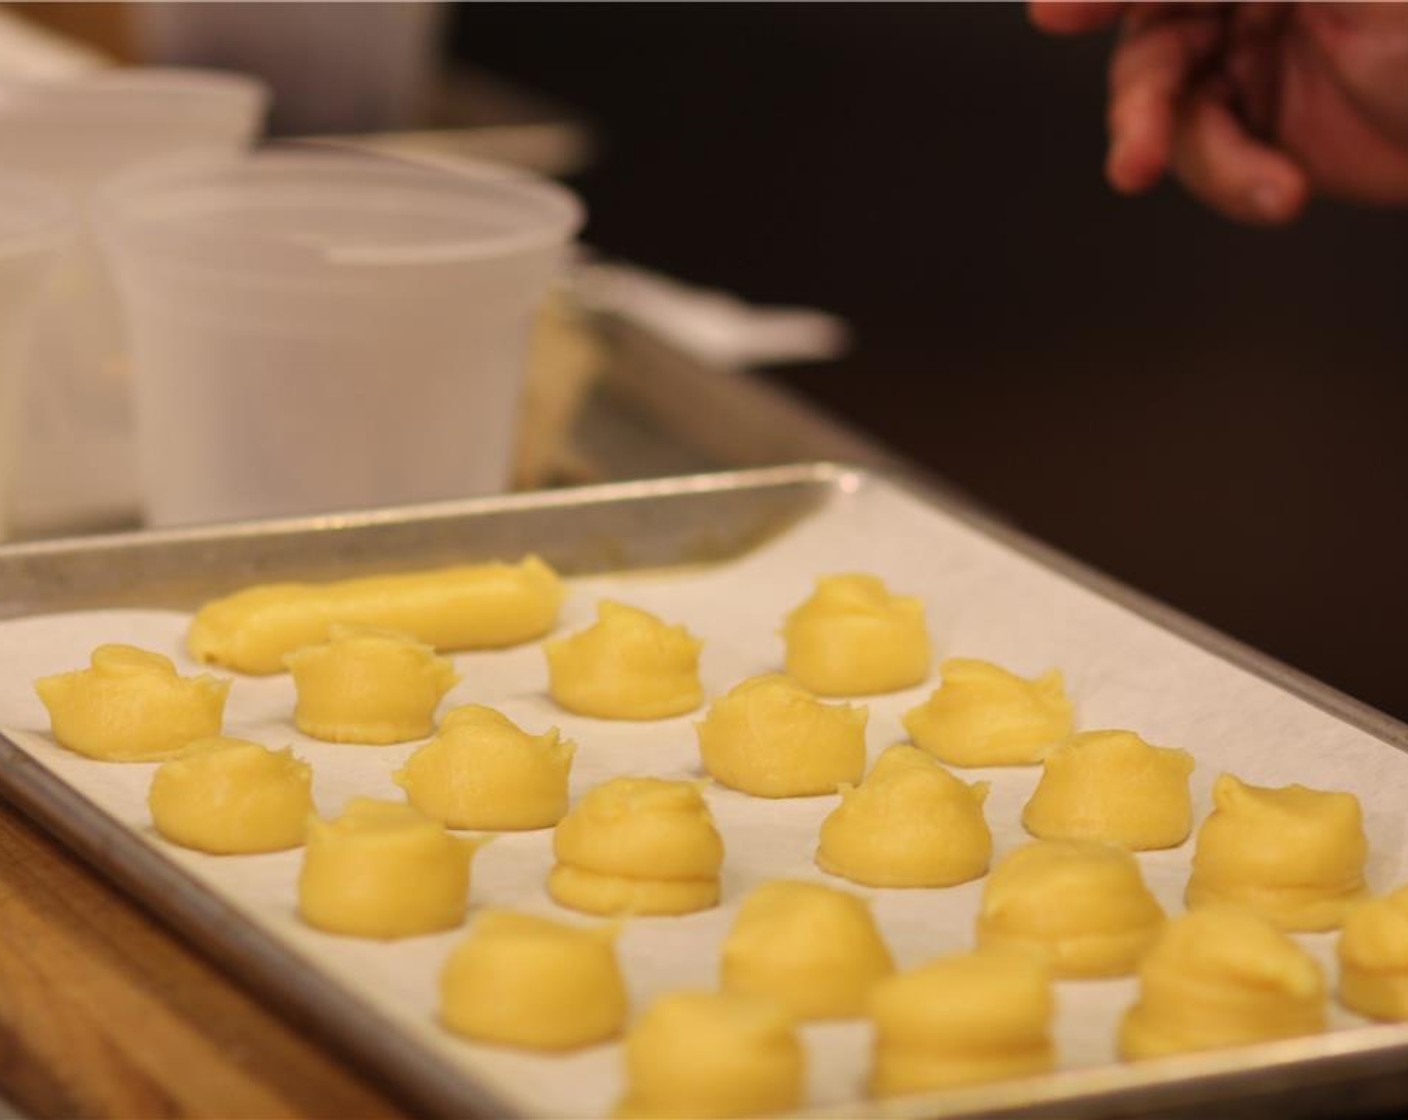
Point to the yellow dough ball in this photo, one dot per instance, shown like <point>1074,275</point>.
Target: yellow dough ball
<point>811,947</point>
<point>368,686</point>
<point>637,846</point>
<point>228,796</point>
<point>900,757</point>
<point>1222,977</point>
<point>771,738</point>
<point>1080,905</point>
<point>523,981</point>
<point>1373,954</point>
<point>383,870</point>
<point>982,715</point>
<point>712,1054</point>
<point>482,771</point>
<point>130,706</point>
<point>1293,855</point>
<point>853,638</point>
<point>909,824</point>
<point>471,606</point>
<point>1113,786</point>
<point>629,665</point>
<point>959,1020</point>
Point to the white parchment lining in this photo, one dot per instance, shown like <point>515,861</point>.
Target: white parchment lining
<point>984,601</point>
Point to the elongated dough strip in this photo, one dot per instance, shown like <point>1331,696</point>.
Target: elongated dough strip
<point>472,606</point>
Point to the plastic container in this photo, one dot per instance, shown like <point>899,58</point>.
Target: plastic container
<point>77,455</point>
<point>334,68</point>
<point>317,331</point>
<point>35,225</point>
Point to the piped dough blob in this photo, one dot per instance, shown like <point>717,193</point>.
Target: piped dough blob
<point>230,796</point>
<point>482,771</point>
<point>1222,977</point>
<point>383,870</point>
<point>131,706</point>
<point>712,1054</point>
<point>1373,955</point>
<point>1293,855</point>
<point>960,1020</point>
<point>628,665</point>
<point>637,846</point>
<point>811,947</point>
<point>909,824</point>
<point>368,686</point>
<point>532,983</point>
<point>1079,905</point>
<point>1115,787</point>
<point>854,638</point>
<point>471,606</point>
<point>982,715</point>
<point>772,738</point>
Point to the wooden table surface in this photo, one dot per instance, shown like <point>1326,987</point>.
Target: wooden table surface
<point>104,1012</point>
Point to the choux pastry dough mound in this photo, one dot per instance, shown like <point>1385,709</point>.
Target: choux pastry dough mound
<point>368,686</point>
<point>471,606</point>
<point>131,706</point>
<point>1080,905</point>
<point>712,1054</point>
<point>1293,855</point>
<point>854,638</point>
<point>959,1020</point>
<point>482,771</point>
<point>628,665</point>
<point>1373,955</point>
<point>909,824</point>
<point>982,715</point>
<point>1113,786</point>
<point>1222,977</point>
<point>769,737</point>
<point>383,870</point>
<point>812,948</point>
<point>637,846</point>
<point>901,757</point>
<point>229,796</point>
<point>528,982</point>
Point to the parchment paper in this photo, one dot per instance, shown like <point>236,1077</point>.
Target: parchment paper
<point>983,600</point>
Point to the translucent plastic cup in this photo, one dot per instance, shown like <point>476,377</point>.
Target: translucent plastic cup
<point>318,331</point>
<point>35,225</point>
<point>77,453</point>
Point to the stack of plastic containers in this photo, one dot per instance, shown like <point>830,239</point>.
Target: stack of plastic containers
<point>237,334</point>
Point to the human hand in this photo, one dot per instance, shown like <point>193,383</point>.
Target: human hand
<point>1254,106</point>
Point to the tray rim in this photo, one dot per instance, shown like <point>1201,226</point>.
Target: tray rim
<point>602,493</point>
<point>201,915</point>
<point>842,476</point>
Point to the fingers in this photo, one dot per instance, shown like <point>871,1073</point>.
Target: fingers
<point>1160,119</point>
<point>1253,63</point>
<point>1229,171</point>
<point>1149,74</point>
<point>1260,17</point>
<point>1063,17</point>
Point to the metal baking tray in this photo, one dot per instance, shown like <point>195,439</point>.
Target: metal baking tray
<point>674,524</point>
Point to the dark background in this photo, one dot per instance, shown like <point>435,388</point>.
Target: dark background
<point>1210,413</point>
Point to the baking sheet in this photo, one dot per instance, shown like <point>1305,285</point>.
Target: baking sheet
<point>984,600</point>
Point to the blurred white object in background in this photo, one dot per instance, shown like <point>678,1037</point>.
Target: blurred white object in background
<point>76,458</point>
<point>316,330</point>
<point>34,225</point>
<point>333,67</point>
<point>29,51</point>
<point>714,327</point>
